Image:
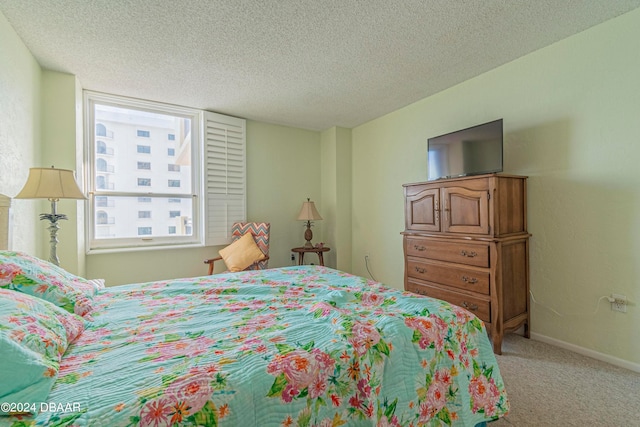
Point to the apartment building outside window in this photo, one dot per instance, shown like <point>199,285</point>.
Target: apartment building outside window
<point>135,207</point>
<point>121,123</point>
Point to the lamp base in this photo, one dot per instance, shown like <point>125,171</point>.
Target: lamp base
<point>53,242</point>
<point>53,228</point>
<point>308,235</point>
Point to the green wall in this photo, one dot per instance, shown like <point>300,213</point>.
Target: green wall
<point>20,121</point>
<point>60,147</point>
<point>335,161</point>
<point>572,119</point>
<point>282,171</point>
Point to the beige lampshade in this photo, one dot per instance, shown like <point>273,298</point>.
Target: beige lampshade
<point>308,212</point>
<point>50,183</point>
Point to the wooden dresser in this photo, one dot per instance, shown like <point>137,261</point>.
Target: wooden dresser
<point>466,242</point>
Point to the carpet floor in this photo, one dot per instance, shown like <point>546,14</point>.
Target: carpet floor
<point>550,386</point>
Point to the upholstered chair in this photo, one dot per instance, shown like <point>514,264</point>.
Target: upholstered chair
<point>241,252</point>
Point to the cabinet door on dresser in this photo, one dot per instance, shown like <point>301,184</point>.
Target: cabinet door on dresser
<point>465,210</point>
<point>422,208</point>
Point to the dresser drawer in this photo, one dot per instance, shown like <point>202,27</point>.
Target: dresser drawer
<point>477,306</point>
<point>461,253</point>
<point>471,280</point>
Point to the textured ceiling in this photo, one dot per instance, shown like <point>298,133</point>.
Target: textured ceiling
<point>312,64</point>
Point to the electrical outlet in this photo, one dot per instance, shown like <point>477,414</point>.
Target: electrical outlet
<point>619,303</point>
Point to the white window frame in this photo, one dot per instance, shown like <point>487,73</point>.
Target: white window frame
<point>218,149</point>
<point>98,245</point>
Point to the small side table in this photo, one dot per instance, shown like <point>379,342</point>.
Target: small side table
<point>301,251</point>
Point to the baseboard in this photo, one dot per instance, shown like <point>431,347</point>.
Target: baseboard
<point>587,352</point>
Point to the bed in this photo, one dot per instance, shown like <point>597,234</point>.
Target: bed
<point>294,346</point>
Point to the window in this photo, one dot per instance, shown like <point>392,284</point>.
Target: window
<point>102,217</point>
<point>102,201</point>
<point>101,182</point>
<point>144,165</point>
<point>145,231</point>
<point>144,214</point>
<point>101,148</point>
<point>172,229</point>
<point>173,168</point>
<point>101,130</point>
<point>171,137</point>
<point>143,133</point>
<point>211,198</point>
<point>101,165</point>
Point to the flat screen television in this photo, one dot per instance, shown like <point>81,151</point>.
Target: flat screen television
<point>472,151</point>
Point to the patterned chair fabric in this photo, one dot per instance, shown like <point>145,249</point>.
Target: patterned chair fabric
<point>260,233</point>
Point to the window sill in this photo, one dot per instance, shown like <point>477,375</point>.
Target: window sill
<point>143,248</point>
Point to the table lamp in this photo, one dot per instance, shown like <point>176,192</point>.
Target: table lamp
<point>308,213</point>
<point>52,184</point>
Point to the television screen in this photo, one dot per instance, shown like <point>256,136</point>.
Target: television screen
<point>472,151</point>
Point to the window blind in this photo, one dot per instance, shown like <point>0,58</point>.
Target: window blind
<point>225,176</point>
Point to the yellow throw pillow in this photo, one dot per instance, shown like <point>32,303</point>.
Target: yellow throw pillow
<point>241,253</point>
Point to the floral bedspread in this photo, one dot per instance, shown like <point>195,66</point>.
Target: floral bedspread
<point>296,346</point>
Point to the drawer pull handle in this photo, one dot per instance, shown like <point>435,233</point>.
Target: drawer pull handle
<point>470,254</point>
<point>420,270</point>
<point>419,248</point>
<point>470,280</point>
<point>471,307</point>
